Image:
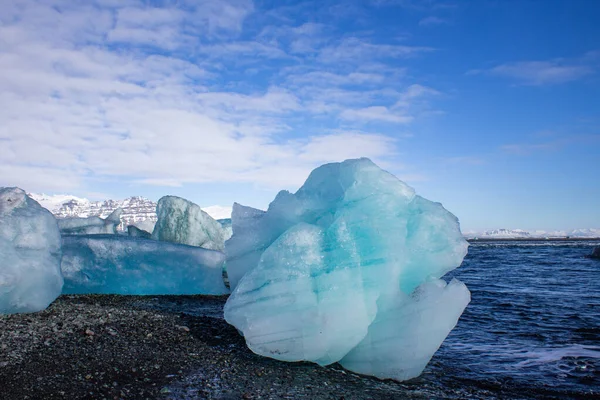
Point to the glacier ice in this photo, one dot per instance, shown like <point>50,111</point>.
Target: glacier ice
<point>181,221</point>
<point>145,225</point>
<point>90,225</point>
<point>116,264</point>
<point>227,229</point>
<point>408,330</point>
<point>133,230</point>
<point>244,249</point>
<point>30,277</point>
<point>328,273</point>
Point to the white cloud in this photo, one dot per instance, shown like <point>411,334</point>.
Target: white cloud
<point>120,91</point>
<point>332,79</point>
<point>414,92</point>
<point>432,21</point>
<point>538,73</point>
<point>357,50</point>
<point>375,113</point>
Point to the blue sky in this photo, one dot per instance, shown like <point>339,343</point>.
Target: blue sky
<point>490,107</point>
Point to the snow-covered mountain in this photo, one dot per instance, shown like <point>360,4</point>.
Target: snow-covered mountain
<point>55,201</point>
<point>507,233</point>
<point>135,209</point>
<point>537,234</point>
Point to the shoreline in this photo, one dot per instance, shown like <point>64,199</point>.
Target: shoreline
<point>180,347</point>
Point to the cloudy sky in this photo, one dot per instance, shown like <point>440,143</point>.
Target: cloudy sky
<point>490,107</point>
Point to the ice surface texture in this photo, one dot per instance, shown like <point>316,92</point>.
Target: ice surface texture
<point>30,277</point>
<point>133,230</point>
<point>346,269</point>
<point>90,225</point>
<point>118,264</point>
<point>181,221</point>
<point>226,225</point>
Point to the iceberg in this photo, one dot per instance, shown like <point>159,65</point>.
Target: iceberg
<point>133,230</point>
<point>30,277</point>
<point>227,229</point>
<point>244,248</point>
<point>90,225</point>
<point>116,264</point>
<point>145,225</point>
<point>181,221</point>
<point>408,330</point>
<point>346,269</point>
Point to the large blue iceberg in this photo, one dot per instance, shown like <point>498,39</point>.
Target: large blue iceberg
<point>30,277</point>
<point>346,269</point>
<point>118,264</point>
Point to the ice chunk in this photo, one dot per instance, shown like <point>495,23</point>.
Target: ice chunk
<point>145,225</point>
<point>251,237</point>
<point>227,229</point>
<point>91,225</point>
<point>408,330</point>
<point>115,216</point>
<point>133,230</point>
<point>112,264</point>
<point>308,273</point>
<point>294,306</point>
<point>30,277</point>
<point>181,221</point>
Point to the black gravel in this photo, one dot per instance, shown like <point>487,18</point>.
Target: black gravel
<point>167,347</point>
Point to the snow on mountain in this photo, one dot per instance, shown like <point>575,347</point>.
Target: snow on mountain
<point>54,202</point>
<point>585,233</point>
<point>135,209</point>
<point>507,233</point>
<point>537,234</point>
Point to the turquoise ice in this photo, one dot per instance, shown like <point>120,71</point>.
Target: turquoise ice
<point>119,264</point>
<point>408,330</point>
<point>30,277</point>
<point>181,221</point>
<point>321,275</point>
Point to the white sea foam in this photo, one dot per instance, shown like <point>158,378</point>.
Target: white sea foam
<point>548,355</point>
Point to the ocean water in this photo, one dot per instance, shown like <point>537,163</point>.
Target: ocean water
<point>533,325</point>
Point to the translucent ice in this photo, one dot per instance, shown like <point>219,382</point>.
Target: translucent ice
<point>181,221</point>
<point>324,270</point>
<point>133,230</point>
<point>30,277</point>
<point>227,229</point>
<point>145,225</point>
<point>408,330</point>
<point>90,225</point>
<point>114,264</point>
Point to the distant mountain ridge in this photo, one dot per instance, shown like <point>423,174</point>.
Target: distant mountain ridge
<point>135,209</point>
<point>537,234</point>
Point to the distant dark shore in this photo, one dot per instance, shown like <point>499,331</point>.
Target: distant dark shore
<point>550,239</point>
<point>179,347</point>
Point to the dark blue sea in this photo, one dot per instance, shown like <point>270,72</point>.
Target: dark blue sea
<point>532,328</point>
